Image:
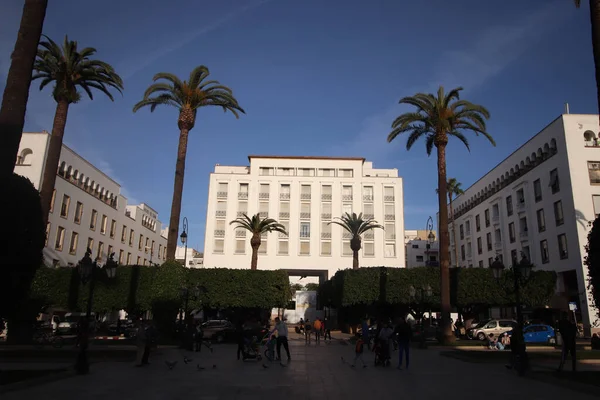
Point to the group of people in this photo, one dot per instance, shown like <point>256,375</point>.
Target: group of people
<point>320,328</point>
<point>383,338</point>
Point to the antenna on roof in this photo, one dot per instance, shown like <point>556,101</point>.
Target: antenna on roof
<point>567,108</point>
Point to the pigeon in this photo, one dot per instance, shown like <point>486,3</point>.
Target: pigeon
<point>187,360</point>
<point>214,366</point>
<point>265,366</point>
<point>171,365</point>
<point>343,361</point>
<point>199,367</point>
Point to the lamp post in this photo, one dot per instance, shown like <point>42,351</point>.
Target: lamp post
<point>430,238</point>
<point>186,295</point>
<point>421,296</point>
<point>183,238</point>
<point>521,271</point>
<point>88,273</point>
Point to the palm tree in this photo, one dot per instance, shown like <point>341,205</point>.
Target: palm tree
<point>356,226</point>
<point>16,91</point>
<point>69,68</point>
<point>187,97</point>
<point>595,21</point>
<point>436,120</point>
<point>453,188</point>
<point>257,227</point>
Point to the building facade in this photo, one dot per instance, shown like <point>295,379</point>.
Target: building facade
<point>420,252</point>
<point>191,259</point>
<point>304,194</point>
<point>88,211</point>
<point>539,203</point>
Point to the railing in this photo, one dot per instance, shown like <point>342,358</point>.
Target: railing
<point>304,215</point>
<point>240,233</point>
<point>592,143</point>
<point>219,213</point>
<point>219,233</point>
<point>496,219</point>
<point>390,217</point>
<point>241,213</point>
<point>367,197</point>
<point>264,214</point>
<point>305,235</point>
<point>242,195</point>
<point>391,236</point>
<point>523,234</point>
<point>326,197</point>
<point>346,197</point>
<point>263,195</point>
<point>284,215</point>
<point>281,234</point>
<point>221,195</point>
<point>369,235</point>
<point>326,216</point>
<point>468,233</point>
<point>284,196</point>
<point>368,216</point>
<point>218,251</point>
<point>388,198</point>
<point>346,235</point>
<point>469,254</point>
<point>497,245</point>
<point>304,196</point>
<point>325,235</point>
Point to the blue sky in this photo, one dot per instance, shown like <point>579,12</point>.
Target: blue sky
<point>316,78</point>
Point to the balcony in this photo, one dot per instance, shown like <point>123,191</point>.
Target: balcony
<point>326,216</point>
<point>368,216</point>
<point>242,195</point>
<point>326,197</point>
<point>524,234</point>
<point>284,215</point>
<point>498,245</point>
<point>325,235</point>
<point>304,196</point>
<point>468,233</point>
<point>369,236</point>
<point>346,235</point>
<point>390,217</point>
<point>240,214</point>
<point>469,255</point>
<point>304,215</point>
<point>219,233</point>
<point>367,197</point>
<point>221,195</point>
<point>241,233</point>
<point>346,197</point>
<point>304,235</point>
<point>496,219</point>
<point>221,214</point>
<point>388,198</point>
<point>264,214</point>
<point>521,206</point>
<point>263,196</point>
<point>284,196</point>
<point>282,235</point>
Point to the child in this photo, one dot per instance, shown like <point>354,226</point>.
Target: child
<point>360,344</point>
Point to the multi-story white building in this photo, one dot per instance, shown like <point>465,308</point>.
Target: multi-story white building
<point>88,210</point>
<point>304,194</point>
<point>191,259</point>
<point>420,251</point>
<point>539,201</point>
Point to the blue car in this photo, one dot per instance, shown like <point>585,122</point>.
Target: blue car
<point>538,333</point>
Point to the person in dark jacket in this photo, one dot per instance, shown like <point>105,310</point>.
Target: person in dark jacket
<point>568,332</point>
<point>404,336</point>
<point>240,335</point>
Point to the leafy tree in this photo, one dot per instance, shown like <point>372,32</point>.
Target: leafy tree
<point>69,69</point>
<point>257,227</point>
<point>296,287</point>
<point>16,91</point>
<point>453,187</point>
<point>312,286</point>
<point>187,96</point>
<point>595,22</point>
<point>356,226</point>
<point>592,261</point>
<point>436,119</point>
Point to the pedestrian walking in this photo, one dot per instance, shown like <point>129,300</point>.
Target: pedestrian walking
<point>307,331</point>
<point>326,329</point>
<point>404,336</point>
<point>365,332</point>
<point>151,340</point>
<point>198,337</point>
<point>568,332</point>
<point>140,343</point>
<point>240,337</point>
<point>317,327</point>
<point>358,352</point>
<point>282,338</point>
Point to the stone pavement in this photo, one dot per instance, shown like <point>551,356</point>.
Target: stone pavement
<point>316,372</point>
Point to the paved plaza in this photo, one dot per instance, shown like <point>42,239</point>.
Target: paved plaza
<point>315,372</point>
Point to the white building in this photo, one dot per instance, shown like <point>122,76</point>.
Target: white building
<point>420,252</point>
<point>88,210</point>
<point>304,194</point>
<point>540,201</point>
<point>193,258</point>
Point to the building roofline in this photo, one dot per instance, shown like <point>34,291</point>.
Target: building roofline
<point>511,154</point>
<point>362,159</point>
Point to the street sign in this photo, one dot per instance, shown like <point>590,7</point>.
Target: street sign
<point>572,306</point>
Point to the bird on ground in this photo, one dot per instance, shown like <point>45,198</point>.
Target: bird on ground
<point>265,366</point>
<point>344,361</point>
<point>199,367</point>
<point>171,364</point>
<point>214,366</point>
<point>187,360</point>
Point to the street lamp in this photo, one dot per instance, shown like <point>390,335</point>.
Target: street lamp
<point>430,239</point>
<point>183,238</point>
<point>87,272</point>
<point>521,273</point>
<point>187,294</point>
<point>421,296</point>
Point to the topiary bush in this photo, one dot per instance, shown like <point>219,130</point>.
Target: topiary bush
<point>592,261</point>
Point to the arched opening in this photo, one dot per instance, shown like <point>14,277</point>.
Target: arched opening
<point>589,136</point>
<point>25,157</point>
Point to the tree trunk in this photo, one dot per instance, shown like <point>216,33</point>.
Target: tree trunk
<point>16,91</point>
<point>354,259</point>
<point>355,245</point>
<point>453,231</point>
<point>53,156</point>
<point>254,262</point>
<point>177,195</point>
<point>444,241</point>
<point>595,20</point>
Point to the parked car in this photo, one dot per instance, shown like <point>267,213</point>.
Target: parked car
<point>125,329</point>
<point>219,330</point>
<point>538,333</point>
<point>496,326</point>
<point>70,323</point>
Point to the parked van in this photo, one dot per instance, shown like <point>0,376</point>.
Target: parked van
<point>496,326</point>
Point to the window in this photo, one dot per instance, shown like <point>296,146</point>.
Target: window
<point>325,230</point>
<point>73,244</point>
<point>554,181</point>
<point>305,210</point>
<point>562,246</point>
<point>479,246</point>
<point>243,208</point>
<point>139,261</point>
<point>541,220</point>
<point>513,256</point>
<point>462,252</point>
<point>240,246</point>
<point>286,171</point>
<point>265,171</point>
<point>121,257</point>
<point>511,232</point>
<point>346,208</point>
<point>113,228</point>
<point>219,246</point>
<point>490,261</point>
<point>415,246</point>
<point>523,226</point>
<point>326,172</point>
<point>100,250</point>
<point>326,192</point>
<point>544,251</point>
<point>369,249</point>
<point>558,213</point>
<point>491,325</point>
<point>477,223</point>
<point>390,250</point>
<point>60,238</point>
<point>388,193</point>
<point>326,211</point>
<point>304,248</point>
<point>487,217</point>
<point>346,173</point>
<point>263,194</point>
<point>390,231</point>
<point>537,190</point>
<point>284,192</point>
<point>305,229</point>
<point>93,219</point>
<point>596,202</point>
<point>594,172</point>
<point>462,231</point>
<point>110,250</point>
<point>90,244</point>
<point>346,193</point>
<point>306,172</point>
<point>47,233</point>
<point>305,192</point>
<point>64,208</point>
<point>509,206</point>
<point>140,242</point>
<point>243,193</point>
<point>325,248</point>
<point>346,250</point>
<point>128,258</point>
<point>521,196</point>
<point>419,258</point>
<point>480,263</point>
<point>146,246</point>
<point>368,211</point>
<point>488,239</point>
<point>131,237</point>
<point>389,212</point>
<point>78,212</point>
<point>52,200</point>
<point>283,248</point>
<point>103,224</point>
<point>368,193</point>
<point>123,234</point>
<point>468,227</point>
<point>222,190</point>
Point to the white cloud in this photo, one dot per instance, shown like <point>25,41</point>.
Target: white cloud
<point>107,169</point>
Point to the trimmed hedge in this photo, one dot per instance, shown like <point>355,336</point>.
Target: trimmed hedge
<point>592,261</point>
<point>382,285</point>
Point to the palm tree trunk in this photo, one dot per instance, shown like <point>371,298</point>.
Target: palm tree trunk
<point>595,20</point>
<point>16,91</point>
<point>53,156</point>
<point>254,262</point>
<point>354,259</point>
<point>444,239</point>
<point>453,231</point>
<point>177,195</point>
